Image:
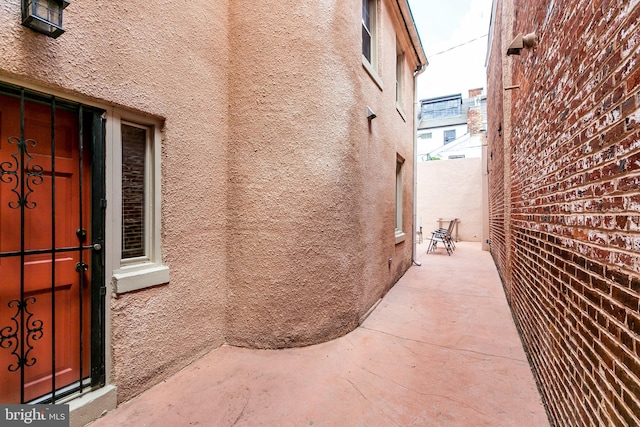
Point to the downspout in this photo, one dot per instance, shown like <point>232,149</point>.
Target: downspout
<point>416,73</point>
<point>416,44</point>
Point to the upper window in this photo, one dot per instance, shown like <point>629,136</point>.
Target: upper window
<point>441,107</point>
<point>369,30</point>
<point>399,73</point>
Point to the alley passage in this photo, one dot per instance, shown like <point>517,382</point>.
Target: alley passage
<point>440,349</point>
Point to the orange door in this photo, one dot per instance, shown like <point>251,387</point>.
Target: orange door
<point>44,206</point>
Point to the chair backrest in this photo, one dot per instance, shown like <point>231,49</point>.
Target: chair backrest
<point>452,224</point>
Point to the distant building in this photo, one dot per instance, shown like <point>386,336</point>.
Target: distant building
<point>451,127</point>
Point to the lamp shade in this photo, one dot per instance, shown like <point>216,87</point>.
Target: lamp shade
<point>44,16</point>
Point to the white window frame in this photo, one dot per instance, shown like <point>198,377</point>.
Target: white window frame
<point>399,72</point>
<point>135,273</point>
<point>148,199</point>
<point>399,233</point>
<point>444,136</point>
<point>372,66</point>
<point>400,81</point>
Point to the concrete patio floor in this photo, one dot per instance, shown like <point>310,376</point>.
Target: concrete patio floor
<point>440,349</point>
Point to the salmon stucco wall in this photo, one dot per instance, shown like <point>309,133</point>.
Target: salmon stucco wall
<point>278,195</point>
<point>451,189</point>
<point>312,184</point>
<point>153,61</point>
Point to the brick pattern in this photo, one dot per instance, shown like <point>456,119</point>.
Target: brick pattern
<point>133,191</point>
<point>495,154</point>
<point>474,120</point>
<point>574,223</point>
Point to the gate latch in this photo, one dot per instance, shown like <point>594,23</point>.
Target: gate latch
<point>81,266</point>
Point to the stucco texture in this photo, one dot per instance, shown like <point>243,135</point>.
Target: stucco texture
<point>450,189</point>
<point>309,205</point>
<point>278,196</point>
<point>139,57</point>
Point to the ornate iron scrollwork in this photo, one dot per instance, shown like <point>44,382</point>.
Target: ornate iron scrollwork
<point>9,335</point>
<point>10,173</point>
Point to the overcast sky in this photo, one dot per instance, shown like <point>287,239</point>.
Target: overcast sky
<point>443,25</point>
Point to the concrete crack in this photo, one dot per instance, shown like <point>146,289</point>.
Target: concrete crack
<point>454,293</point>
<point>357,389</point>
<point>427,394</point>
<point>446,347</point>
<point>241,412</point>
<point>390,419</point>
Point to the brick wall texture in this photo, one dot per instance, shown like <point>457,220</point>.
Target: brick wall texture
<point>564,199</point>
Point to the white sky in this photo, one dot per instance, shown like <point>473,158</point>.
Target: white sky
<point>444,24</point>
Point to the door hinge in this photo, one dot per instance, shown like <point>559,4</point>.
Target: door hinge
<point>103,203</point>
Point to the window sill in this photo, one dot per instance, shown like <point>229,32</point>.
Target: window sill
<point>401,112</point>
<point>400,236</point>
<point>133,278</point>
<point>372,73</point>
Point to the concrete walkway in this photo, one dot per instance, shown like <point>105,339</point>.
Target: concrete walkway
<point>440,349</point>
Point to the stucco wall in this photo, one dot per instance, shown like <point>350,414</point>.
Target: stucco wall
<point>142,58</point>
<point>451,189</point>
<point>311,197</point>
<point>278,196</point>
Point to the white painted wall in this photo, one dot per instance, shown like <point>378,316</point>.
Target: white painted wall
<point>437,138</point>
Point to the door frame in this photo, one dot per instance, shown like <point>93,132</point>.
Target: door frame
<point>94,117</point>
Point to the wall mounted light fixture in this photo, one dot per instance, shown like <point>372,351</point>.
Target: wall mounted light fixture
<point>44,16</point>
<point>527,41</point>
<point>370,114</point>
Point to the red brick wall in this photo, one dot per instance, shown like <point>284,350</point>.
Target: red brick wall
<point>495,152</point>
<point>571,232</point>
<point>474,120</point>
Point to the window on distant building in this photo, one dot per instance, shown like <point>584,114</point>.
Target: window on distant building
<point>441,107</point>
<point>449,135</point>
<point>426,135</point>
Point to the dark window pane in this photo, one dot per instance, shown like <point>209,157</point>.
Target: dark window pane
<point>366,44</point>
<point>134,141</point>
<point>366,18</point>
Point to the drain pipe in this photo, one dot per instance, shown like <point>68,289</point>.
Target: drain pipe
<point>416,73</point>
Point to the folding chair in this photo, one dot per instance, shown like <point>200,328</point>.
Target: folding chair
<point>448,232</point>
<point>443,235</point>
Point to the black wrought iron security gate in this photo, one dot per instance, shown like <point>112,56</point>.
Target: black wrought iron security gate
<point>51,247</point>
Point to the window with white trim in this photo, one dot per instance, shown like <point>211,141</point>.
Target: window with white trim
<point>399,74</point>
<point>369,43</point>
<point>449,135</point>
<point>135,194</point>
<point>135,151</point>
<point>399,234</point>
